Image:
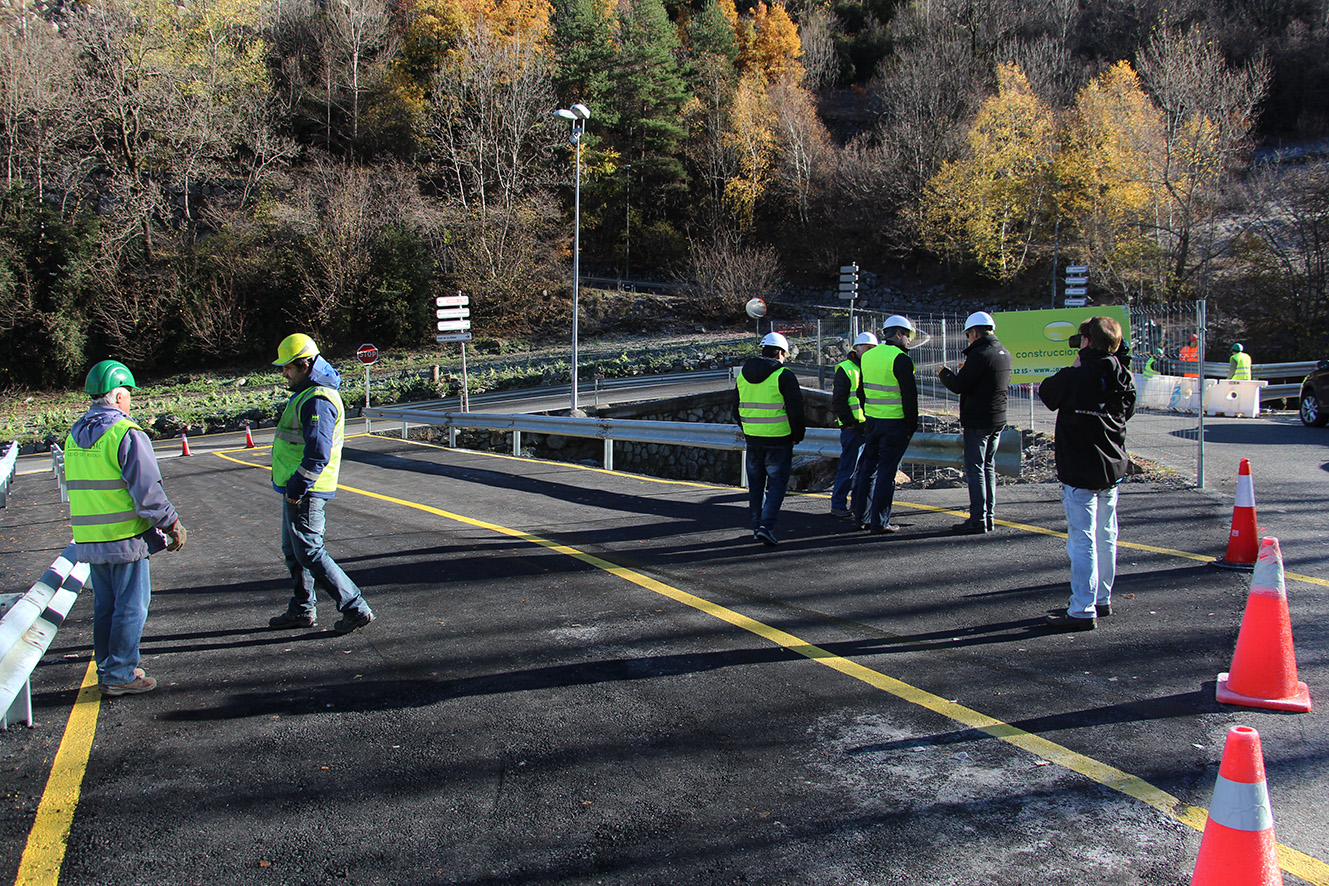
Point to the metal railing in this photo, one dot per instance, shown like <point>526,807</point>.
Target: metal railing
<point>944,450</point>
<point>27,628</point>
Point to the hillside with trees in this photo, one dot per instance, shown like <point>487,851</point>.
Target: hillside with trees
<point>186,181</point>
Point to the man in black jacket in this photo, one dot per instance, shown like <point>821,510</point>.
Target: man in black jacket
<point>982,382</point>
<point>1093,398</point>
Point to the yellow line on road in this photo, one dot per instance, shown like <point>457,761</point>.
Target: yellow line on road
<point>45,851</point>
<point>1299,864</point>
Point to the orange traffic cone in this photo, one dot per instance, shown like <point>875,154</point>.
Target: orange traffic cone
<point>1238,842</point>
<point>184,444</point>
<point>249,437</point>
<point>1264,667</point>
<point>1243,543</point>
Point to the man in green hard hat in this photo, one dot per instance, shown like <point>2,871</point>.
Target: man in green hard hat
<point>306,460</point>
<point>120,516</point>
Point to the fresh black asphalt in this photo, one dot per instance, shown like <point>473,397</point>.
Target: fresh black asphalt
<point>517,714</point>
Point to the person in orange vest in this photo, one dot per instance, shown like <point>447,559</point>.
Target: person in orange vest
<point>1191,355</point>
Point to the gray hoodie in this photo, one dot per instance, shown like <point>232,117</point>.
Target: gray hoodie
<point>138,465</point>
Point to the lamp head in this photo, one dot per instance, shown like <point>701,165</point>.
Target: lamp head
<point>581,111</point>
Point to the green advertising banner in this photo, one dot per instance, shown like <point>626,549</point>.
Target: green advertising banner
<point>1039,341</point>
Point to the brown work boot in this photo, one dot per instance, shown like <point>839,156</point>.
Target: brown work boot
<point>137,686</point>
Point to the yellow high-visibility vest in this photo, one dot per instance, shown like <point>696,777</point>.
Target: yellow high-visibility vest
<point>1241,366</point>
<point>288,445</point>
<point>761,411</point>
<point>854,373</point>
<point>100,506</point>
<point>881,389</point>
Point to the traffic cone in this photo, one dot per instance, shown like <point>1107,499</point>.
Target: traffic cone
<point>249,437</point>
<point>1238,843</point>
<point>184,444</point>
<point>1264,667</point>
<point>1243,545</point>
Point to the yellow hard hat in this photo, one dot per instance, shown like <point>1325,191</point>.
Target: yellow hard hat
<point>294,347</point>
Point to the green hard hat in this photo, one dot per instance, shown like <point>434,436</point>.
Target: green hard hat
<point>108,375</point>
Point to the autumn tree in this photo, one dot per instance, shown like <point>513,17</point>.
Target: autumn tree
<point>1208,113</point>
<point>995,204</point>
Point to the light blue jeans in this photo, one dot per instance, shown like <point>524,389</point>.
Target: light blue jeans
<point>1091,542</point>
<point>121,593</point>
<point>308,561</point>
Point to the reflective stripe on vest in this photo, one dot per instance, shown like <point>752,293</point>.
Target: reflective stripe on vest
<point>881,389</point>
<point>1150,368</point>
<point>761,409</point>
<point>854,373</point>
<point>288,444</point>
<point>1241,369</point>
<point>100,506</point>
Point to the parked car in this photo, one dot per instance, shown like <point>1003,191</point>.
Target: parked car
<point>1315,397</point>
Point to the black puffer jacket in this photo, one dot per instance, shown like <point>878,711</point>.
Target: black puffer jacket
<point>1093,402</point>
<point>981,383</point>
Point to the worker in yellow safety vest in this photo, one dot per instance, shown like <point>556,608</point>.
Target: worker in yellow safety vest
<point>847,404</point>
<point>120,517</point>
<point>306,461</point>
<point>1151,365</point>
<point>768,406</point>
<point>1239,367</point>
<point>890,402</point>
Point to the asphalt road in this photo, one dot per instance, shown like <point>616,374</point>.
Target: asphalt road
<point>581,677</point>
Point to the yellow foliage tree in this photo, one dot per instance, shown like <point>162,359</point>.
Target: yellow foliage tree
<point>995,203</point>
<point>753,140</point>
<point>767,41</point>
<point>1111,176</point>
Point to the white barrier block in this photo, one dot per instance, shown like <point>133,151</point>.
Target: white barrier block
<point>1241,399</point>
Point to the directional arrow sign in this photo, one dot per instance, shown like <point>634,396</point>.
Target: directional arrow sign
<point>849,287</point>
<point>444,300</point>
<point>1076,281</point>
<point>452,313</point>
<point>1077,269</point>
<point>1076,290</point>
<point>453,325</point>
<point>453,336</point>
<point>849,269</point>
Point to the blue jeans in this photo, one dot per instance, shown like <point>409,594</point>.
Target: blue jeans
<point>121,593</point>
<point>883,450</point>
<point>851,444</point>
<point>308,561</point>
<point>1091,542</point>
<point>980,469</point>
<point>768,477</point>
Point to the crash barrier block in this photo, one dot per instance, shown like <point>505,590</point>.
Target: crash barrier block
<point>1221,396</point>
<point>8,465</point>
<point>27,628</point>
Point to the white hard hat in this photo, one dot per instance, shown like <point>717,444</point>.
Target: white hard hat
<point>775,340</point>
<point>899,321</point>
<point>979,318</point>
<point>865,338</point>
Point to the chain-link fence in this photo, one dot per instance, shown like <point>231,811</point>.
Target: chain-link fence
<point>1169,440</point>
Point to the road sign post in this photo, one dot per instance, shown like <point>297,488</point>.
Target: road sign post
<point>1077,286</point>
<point>453,313</point>
<point>367,354</point>
<point>849,290</point>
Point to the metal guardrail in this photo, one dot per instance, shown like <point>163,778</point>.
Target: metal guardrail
<point>27,628</point>
<point>945,450</point>
<point>8,465</point>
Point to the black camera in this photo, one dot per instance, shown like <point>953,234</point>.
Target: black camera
<point>1076,341</point>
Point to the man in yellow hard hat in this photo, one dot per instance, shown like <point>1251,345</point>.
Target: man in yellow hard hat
<point>306,460</point>
<point>120,516</point>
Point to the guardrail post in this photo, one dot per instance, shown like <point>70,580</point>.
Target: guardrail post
<point>743,467</point>
<point>516,443</point>
<point>452,437</point>
<point>609,453</point>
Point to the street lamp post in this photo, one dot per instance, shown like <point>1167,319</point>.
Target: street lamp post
<point>627,223</point>
<point>577,116</point>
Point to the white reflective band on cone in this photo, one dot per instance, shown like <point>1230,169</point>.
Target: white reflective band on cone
<point>1241,806</point>
<point>1245,492</point>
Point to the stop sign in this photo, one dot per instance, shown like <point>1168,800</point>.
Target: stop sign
<point>367,354</point>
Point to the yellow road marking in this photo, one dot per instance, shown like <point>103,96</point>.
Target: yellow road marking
<point>45,851</point>
<point>1307,867</point>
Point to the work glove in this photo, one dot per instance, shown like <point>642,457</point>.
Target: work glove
<point>177,536</point>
